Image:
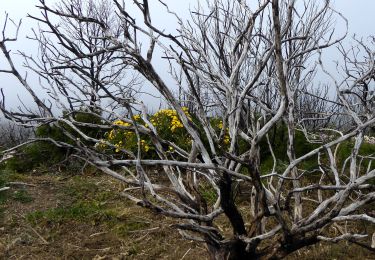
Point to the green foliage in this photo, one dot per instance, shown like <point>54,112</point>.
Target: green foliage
<point>80,211</point>
<point>46,153</point>
<point>56,130</point>
<point>35,155</point>
<point>50,131</point>
<point>367,149</point>
<point>22,196</point>
<point>91,117</point>
<point>278,138</point>
<point>345,149</point>
<point>79,189</point>
<point>208,193</point>
<point>170,128</point>
<point>3,178</point>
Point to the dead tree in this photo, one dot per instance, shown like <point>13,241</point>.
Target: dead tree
<point>77,79</point>
<point>249,65</point>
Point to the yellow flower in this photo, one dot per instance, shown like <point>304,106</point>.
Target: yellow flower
<point>145,146</point>
<point>226,139</point>
<point>129,134</point>
<point>117,148</point>
<point>118,122</point>
<point>111,134</point>
<point>121,123</point>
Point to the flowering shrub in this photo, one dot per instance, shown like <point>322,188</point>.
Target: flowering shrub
<point>167,119</point>
<point>217,124</point>
<point>167,124</point>
<point>169,127</point>
<point>124,137</point>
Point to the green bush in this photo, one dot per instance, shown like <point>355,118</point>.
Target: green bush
<point>46,153</point>
<point>279,140</point>
<point>35,155</point>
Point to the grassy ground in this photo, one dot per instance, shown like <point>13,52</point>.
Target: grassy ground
<point>83,217</point>
<point>61,216</point>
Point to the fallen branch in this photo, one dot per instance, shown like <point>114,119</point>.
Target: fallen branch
<point>16,183</point>
<point>39,235</point>
<point>4,188</point>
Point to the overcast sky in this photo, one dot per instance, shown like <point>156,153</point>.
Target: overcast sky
<point>360,14</point>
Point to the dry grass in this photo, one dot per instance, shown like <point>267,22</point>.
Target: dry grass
<point>83,217</point>
<point>52,225</point>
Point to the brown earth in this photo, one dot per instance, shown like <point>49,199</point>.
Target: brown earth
<point>131,233</point>
<point>83,217</point>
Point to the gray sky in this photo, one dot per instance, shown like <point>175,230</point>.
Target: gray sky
<point>358,12</point>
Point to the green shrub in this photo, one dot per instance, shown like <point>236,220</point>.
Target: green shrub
<point>35,155</point>
<point>279,140</point>
<point>46,153</point>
